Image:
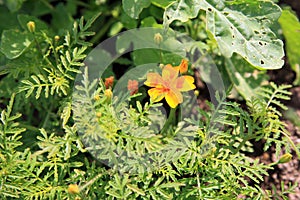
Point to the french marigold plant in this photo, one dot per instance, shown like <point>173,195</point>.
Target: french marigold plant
<point>169,85</point>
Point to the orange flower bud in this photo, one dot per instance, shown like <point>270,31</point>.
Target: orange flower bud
<point>73,189</point>
<point>109,82</point>
<point>183,67</point>
<point>132,86</point>
<point>98,114</point>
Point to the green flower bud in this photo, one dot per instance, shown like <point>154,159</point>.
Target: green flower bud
<point>56,38</point>
<point>158,38</point>
<point>285,158</point>
<point>31,26</point>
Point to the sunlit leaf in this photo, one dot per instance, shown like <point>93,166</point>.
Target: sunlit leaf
<point>291,30</point>
<point>240,27</point>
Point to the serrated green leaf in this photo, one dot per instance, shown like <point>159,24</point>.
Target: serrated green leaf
<point>133,8</point>
<point>14,43</point>
<point>135,189</point>
<point>291,30</point>
<point>238,27</point>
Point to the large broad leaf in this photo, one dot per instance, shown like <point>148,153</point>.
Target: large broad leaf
<point>245,78</point>
<point>291,31</point>
<point>162,3</point>
<point>133,8</point>
<point>14,43</point>
<point>240,26</point>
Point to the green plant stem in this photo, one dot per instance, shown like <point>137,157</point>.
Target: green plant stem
<point>103,30</point>
<point>244,142</point>
<point>170,121</point>
<point>292,144</point>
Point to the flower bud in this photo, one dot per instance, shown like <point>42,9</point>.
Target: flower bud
<point>108,93</point>
<point>109,82</point>
<point>97,97</point>
<point>98,114</point>
<point>158,38</point>
<point>196,92</point>
<point>133,86</point>
<point>56,38</point>
<point>31,26</point>
<point>73,189</point>
<point>285,158</point>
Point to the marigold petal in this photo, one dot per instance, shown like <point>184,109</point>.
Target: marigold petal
<point>173,98</point>
<point>156,94</point>
<point>169,73</point>
<point>153,80</point>
<point>185,83</point>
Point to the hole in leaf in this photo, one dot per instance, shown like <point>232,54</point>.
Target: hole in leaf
<point>233,36</point>
<point>260,43</point>
<point>231,27</point>
<point>262,62</point>
<point>256,32</point>
<point>209,9</point>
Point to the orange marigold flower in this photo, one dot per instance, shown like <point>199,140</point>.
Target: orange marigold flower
<point>183,67</point>
<point>109,82</point>
<point>133,86</point>
<point>169,85</point>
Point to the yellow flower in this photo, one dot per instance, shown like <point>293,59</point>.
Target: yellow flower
<point>169,85</point>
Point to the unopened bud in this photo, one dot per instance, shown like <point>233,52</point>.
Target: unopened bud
<point>56,38</point>
<point>108,93</point>
<point>98,114</point>
<point>161,65</point>
<point>196,92</point>
<point>31,26</point>
<point>158,38</point>
<point>97,97</point>
<point>73,189</point>
<point>285,158</point>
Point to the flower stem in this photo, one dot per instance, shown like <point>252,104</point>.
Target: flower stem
<point>170,122</point>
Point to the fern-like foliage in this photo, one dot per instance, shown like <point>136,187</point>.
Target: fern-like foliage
<point>61,62</point>
<point>204,160</point>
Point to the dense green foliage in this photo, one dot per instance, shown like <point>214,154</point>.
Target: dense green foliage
<point>64,141</point>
